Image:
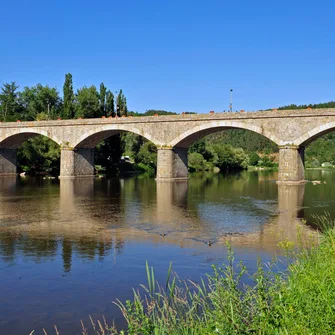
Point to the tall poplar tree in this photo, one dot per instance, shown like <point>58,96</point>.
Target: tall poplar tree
<point>102,98</point>
<point>121,104</point>
<point>8,100</point>
<point>110,110</point>
<point>68,112</point>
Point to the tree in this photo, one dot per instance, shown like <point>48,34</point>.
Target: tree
<point>148,154</point>
<point>39,99</point>
<point>108,154</point>
<point>201,147</point>
<point>39,154</point>
<point>68,111</point>
<point>102,97</point>
<point>254,158</point>
<point>131,144</point>
<point>110,110</point>
<point>330,104</point>
<point>121,104</point>
<point>197,162</point>
<point>151,112</point>
<point>8,100</point>
<point>87,102</point>
<point>227,158</point>
<point>245,139</point>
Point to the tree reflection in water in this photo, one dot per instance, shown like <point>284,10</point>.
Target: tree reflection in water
<point>93,218</point>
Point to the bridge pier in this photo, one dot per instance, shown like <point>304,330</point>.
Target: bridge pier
<point>172,164</point>
<point>291,164</point>
<point>8,162</point>
<point>76,162</point>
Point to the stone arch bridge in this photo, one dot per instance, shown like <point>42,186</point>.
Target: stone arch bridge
<point>291,130</point>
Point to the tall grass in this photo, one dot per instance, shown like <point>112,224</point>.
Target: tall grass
<point>299,301</point>
<point>220,304</point>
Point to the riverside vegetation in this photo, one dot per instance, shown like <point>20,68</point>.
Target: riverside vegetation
<point>298,300</point>
<point>233,149</point>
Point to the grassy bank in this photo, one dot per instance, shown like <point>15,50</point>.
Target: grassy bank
<point>300,300</point>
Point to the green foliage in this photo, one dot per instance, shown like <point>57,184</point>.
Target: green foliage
<point>196,162</point>
<point>42,116</point>
<point>131,144</point>
<point>245,139</point>
<point>132,113</point>
<point>225,157</point>
<point>330,104</point>
<point>204,155</point>
<point>325,223</point>
<point>265,161</point>
<point>9,100</point>
<point>39,154</point>
<point>68,110</point>
<point>108,154</point>
<point>147,154</point>
<point>102,98</point>
<point>320,151</point>
<point>254,158</point>
<point>39,99</point>
<point>87,102</point>
<point>201,147</point>
<point>312,163</point>
<point>151,112</point>
<point>304,303</point>
<point>110,110</point>
<point>121,104</point>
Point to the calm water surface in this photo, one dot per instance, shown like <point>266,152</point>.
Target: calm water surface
<point>69,248</point>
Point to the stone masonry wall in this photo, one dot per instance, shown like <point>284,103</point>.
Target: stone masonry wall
<point>8,162</point>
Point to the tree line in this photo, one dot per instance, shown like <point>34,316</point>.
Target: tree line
<point>41,102</point>
<point>330,104</point>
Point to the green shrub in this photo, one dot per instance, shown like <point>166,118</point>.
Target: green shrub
<point>196,162</point>
<point>254,158</point>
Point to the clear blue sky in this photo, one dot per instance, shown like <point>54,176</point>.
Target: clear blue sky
<point>175,55</point>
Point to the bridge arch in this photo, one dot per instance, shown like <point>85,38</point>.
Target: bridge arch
<point>185,139</point>
<point>93,137</point>
<point>13,139</point>
<point>77,159</point>
<point>314,133</point>
<point>173,158</point>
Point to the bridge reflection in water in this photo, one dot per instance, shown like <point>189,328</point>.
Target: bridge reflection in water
<point>95,218</point>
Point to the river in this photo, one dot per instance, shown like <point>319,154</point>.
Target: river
<point>69,248</point>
